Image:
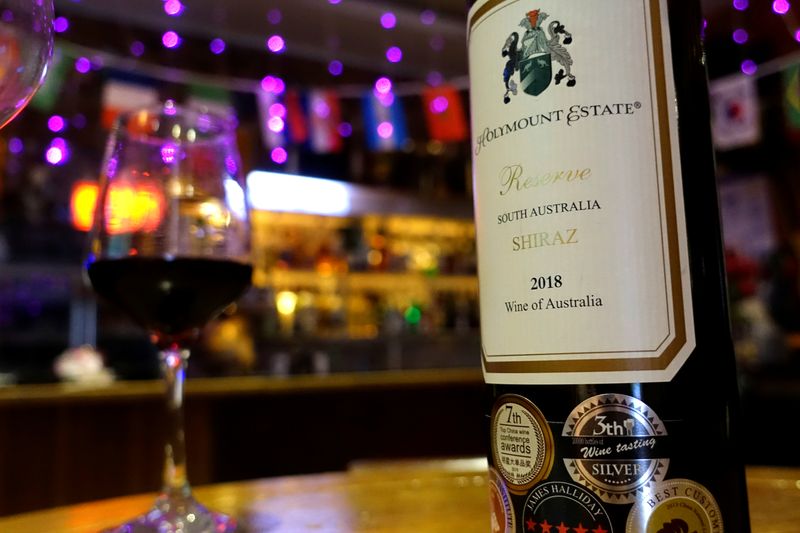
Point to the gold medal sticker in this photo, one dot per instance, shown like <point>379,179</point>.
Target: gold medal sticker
<point>500,506</point>
<point>676,506</point>
<point>522,442</point>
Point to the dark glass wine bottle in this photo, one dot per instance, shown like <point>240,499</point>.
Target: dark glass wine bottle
<point>606,348</point>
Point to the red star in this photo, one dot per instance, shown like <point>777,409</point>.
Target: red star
<point>531,525</point>
<point>562,528</point>
<point>547,527</point>
<point>580,529</point>
<point>599,529</point>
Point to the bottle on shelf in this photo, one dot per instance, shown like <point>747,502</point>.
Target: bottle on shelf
<point>605,336</point>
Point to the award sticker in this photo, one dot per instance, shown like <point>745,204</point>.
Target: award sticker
<point>616,446</point>
<point>561,507</point>
<point>522,443</point>
<point>675,506</point>
<point>501,508</point>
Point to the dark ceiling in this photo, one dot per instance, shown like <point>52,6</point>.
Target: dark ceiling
<point>317,32</point>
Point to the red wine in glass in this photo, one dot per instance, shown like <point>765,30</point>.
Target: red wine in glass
<point>170,248</point>
<point>171,298</point>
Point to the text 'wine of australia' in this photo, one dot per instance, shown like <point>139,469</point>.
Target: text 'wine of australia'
<point>613,400</point>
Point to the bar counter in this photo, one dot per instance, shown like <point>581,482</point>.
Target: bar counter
<point>379,497</point>
<point>64,444</point>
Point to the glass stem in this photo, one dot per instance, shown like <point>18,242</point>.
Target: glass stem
<point>173,366</point>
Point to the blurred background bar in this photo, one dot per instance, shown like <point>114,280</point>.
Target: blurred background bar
<point>359,339</point>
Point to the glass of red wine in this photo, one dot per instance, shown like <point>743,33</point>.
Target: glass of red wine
<point>170,248</point>
<point>26,46</point>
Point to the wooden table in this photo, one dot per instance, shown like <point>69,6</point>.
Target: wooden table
<point>394,497</point>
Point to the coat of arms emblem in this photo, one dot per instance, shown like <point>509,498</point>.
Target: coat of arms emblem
<point>533,54</point>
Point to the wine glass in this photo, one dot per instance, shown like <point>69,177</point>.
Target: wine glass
<point>26,46</point>
<point>169,247</point>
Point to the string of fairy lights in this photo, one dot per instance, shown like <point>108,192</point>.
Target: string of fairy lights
<point>88,59</point>
<point>741,36</point>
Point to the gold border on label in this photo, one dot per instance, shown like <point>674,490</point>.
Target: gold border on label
<point>546,451</point>
<point>671,350</point>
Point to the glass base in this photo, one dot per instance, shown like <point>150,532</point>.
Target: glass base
<point>178,515</point>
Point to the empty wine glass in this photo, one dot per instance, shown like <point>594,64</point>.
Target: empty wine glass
<point>26,46</point>
<point>169,247</point>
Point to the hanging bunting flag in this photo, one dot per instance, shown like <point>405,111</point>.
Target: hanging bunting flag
<point>791,98</point>
<point>735,113</point>
<point>384,122</point>
<point>295,117</point>
<point>122,96</point>
<point>46,97</point>
<point>211,99</point>
<point>325,115</point>
<point>272,115</point>
<point>444,113</point>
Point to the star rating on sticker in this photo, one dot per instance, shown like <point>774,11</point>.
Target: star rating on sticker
<point>546,527</point>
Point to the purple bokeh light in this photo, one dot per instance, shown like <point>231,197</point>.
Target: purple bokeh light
<point>394,54</point>
<point>740,36</point>
<point>427,17</point>
<point>437,43</point>
<point>276,124</point>
<point>741,5</point>
<point>173,8</point>
<point>230,165</point>
<point>383,85</point>
<point>385,130</point>
<point>83,65</point>
<point>217,46</point>
<point>56,123</point>
<point>170,108</point>
<point>79,121</point>
<point>388,20</point>
<point>57,152</point>
<point>171,39</point>
<point>274,16</point>
<point>276,44</point>
<point>321,108</point>
<point>279,155</point>
<point>277,110</point>
<point>749,67</point>
<point>781,7</point>
<point>385,99</point>
<point>334,2</point>
<point>15,145</point>
<point>137,48</point>
<point>439,104</point>
<point>434,78</point>
<point>60,24</point>
<point>345,129</point>
<point>797,35</point>
<point>335,67</point>
<point>168,152</point>
<point>268,84</point>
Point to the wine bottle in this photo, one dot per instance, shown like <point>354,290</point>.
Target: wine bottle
<point>606,348</point>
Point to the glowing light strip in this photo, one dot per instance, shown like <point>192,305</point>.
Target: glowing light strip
<point>273,191</point>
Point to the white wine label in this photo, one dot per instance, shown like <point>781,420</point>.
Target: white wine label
<point>583,260</point>
<point>616,447</point>
<point>558,506</point>
<point>500,506</point>
<point>522,442</point>
<point>676,506</point>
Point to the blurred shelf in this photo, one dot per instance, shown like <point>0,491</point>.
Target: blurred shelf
<point>14,395</point>
<point>366,281</point>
